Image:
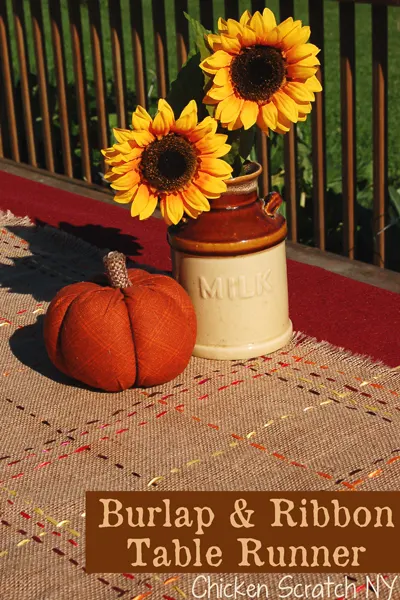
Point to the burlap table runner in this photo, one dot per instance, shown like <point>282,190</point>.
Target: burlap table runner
<point>310,417</point>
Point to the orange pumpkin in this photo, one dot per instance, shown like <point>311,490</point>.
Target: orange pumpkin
<point>140,330</point>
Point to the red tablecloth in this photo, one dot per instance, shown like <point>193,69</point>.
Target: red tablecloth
<point>362,318</point>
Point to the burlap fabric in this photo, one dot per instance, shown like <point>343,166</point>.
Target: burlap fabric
<point>310,417</point>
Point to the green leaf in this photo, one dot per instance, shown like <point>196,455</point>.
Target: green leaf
<point>112,120</point>
<point>253,154</point>
<point>233,157</point>
<point>278,182</point>
<point>394,196</point>
<point>199,33</point>
<point>282,209</point>
<point>241,142</point>
<point>189,85</point>
<point>75,128</point>
<point>246,141</point>
<point>96,157</point>
<point>365,172</point>
<point>276,152</point>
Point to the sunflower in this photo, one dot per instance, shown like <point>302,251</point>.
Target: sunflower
<point>175,162</point>
<point>262,72</point>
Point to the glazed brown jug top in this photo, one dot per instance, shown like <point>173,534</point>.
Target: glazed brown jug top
<point>238,221</point>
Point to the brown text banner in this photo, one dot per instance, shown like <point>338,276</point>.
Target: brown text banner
<point>242,532</point>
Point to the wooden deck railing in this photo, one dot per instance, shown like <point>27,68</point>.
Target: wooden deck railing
<point>28,136</point>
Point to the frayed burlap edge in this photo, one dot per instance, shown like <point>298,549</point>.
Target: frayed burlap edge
<point>333,354</point>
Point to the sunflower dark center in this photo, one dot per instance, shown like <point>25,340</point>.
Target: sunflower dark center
<point>169,164</point>
<point>258,72</point>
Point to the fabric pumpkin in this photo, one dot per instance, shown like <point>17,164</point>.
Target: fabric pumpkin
<point>140,330</point>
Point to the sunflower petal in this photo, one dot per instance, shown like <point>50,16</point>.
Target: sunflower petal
<point>218,60</point>
<point>222,151</point>
<point>124,147</point>
<point>230,44</point>
<point>286,105</point>
<point>164,106</point>
<point>122,135</point>
<point>236,124</point>
<point>188,118</point>
<point>302,51</point>
<point>189,109</point>
<point>313,84</point>
<point>174,207</point>
<point>304,107</point>
<point>214,41</point>
<point>299,91</point>
<point>209,185</point>
<point>272,37</point>
<point>205,127</point>
<point>284,124</point>
<point>126,167</point>
<point>220,93</point>
<point>285,26</point>
<point>248,37</point>
<point>125,197</point>
<point>248,114</point>
<point>133,154</point>
<point>209,101</point>
<point>222,77</point>
<point>142,137</point>
<point>190,211</point>
<point>222,24</point>
<point>281,131</point>
<point>245,18</point>
<point>269,19</point>
<point>112,156</point>
<point>298,36</point>
<point>140,200</point>
<point>150,207</point>
<point>110,176</point>
<point>288,27</point>
<point>210,143</point>
<point>164,119</point>
<point>110,152</point>
<point>231,109</point>
<point>141,118</point>
<point>230,118</point>
<point>233,27</point>
<point>257,23</point>
<point>164,211</point>
<point>220,107</point>
<point>310,61</point>
<point>267,117</point>
<point>127,181</point>
<point>302,117</point>
<point>298,71</point>
<point>115,162</point>
<point>195,198</point>
<point>215,166</point>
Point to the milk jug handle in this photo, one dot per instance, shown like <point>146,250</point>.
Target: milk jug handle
<point>272,202</point>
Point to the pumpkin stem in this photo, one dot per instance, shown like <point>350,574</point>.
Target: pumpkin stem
<point>117,273</point>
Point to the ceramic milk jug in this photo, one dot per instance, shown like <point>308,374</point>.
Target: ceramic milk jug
<point>232,262</point>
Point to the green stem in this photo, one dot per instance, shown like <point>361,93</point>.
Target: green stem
<point>241,142</point>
